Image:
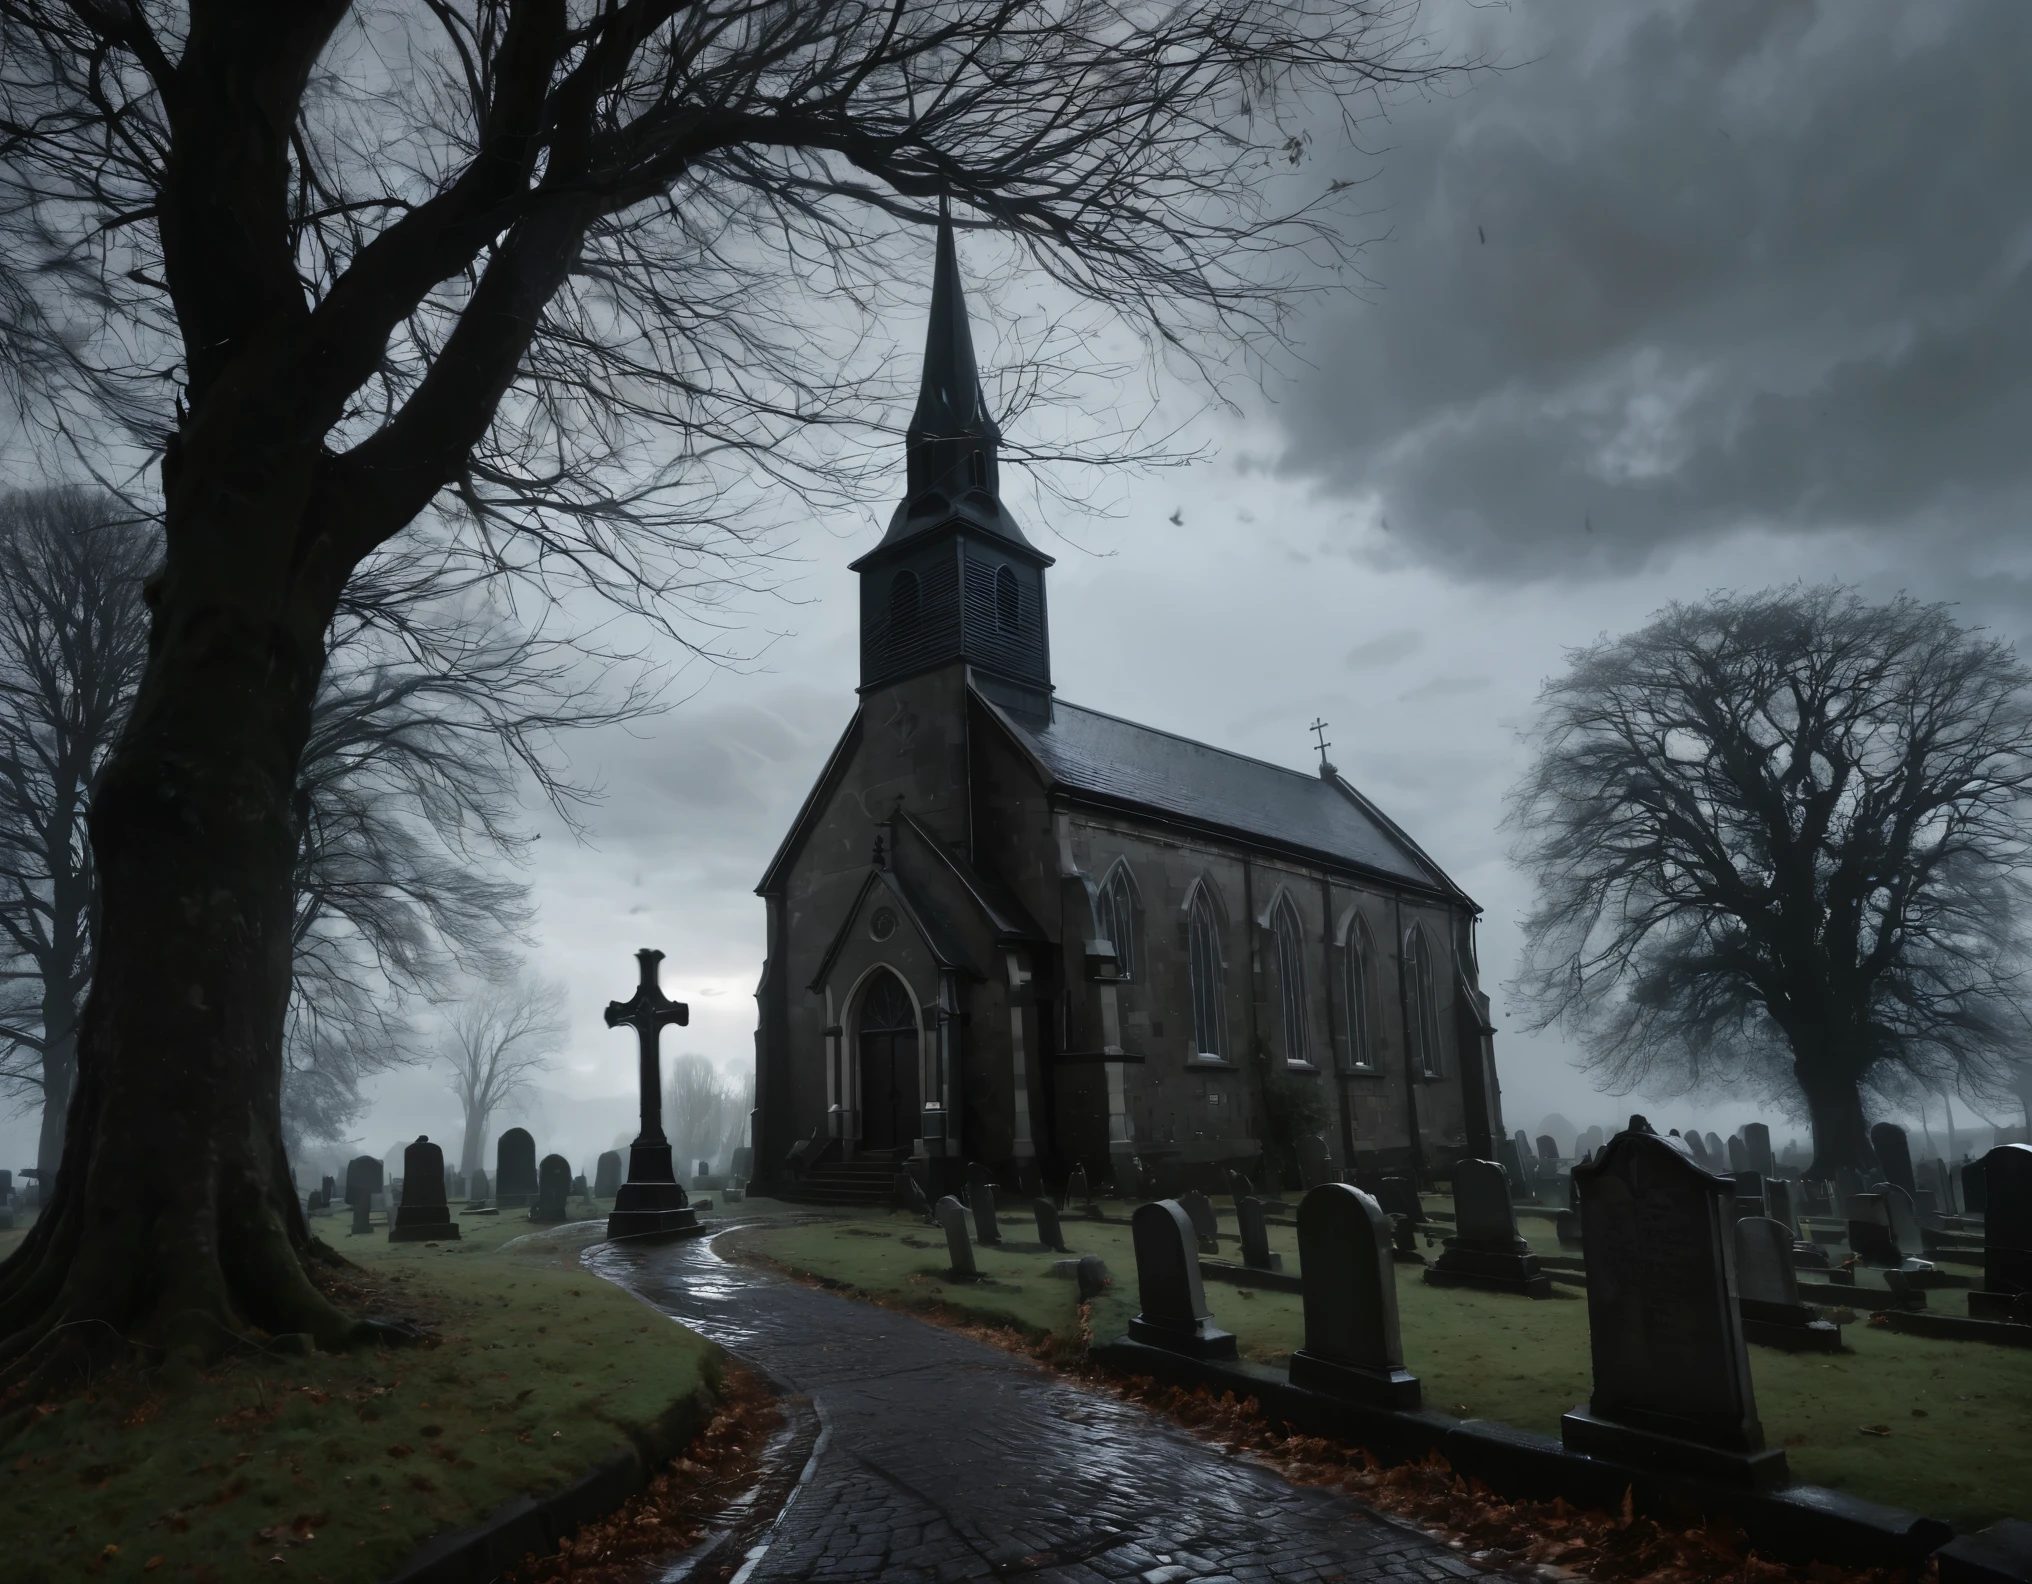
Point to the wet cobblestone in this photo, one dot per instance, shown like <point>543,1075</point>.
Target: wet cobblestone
<point>943,1460</point>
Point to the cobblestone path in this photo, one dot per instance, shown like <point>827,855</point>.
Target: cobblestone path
<point>944,1459</point>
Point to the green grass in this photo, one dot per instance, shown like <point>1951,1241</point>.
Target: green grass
<point>1959,1414</point>
<point>542,1371</point>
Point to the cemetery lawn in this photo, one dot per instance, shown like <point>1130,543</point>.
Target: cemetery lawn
<point>1955,1418</point>
<point>340,1466</point>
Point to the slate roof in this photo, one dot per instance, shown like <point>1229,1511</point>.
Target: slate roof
<point>1119,761</point>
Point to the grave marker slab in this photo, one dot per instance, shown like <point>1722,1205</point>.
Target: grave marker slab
<point>1256,1251</point>
<point>1716,1155</point>
<point>1353,1346</point>
<point>959,1250</point>
<point>1548,1149</point>
<point>1092,1275</point>
<point>1076,1189</point>
<point>1739,1154</point>
<point>1698,1146</point>
<point>1048,1230</point>
<point>607,1175</point>
<point>1894,1155</point>
<point>515,1180</point>
<point>424,1215</point>
<point>1671,1373</point>
<point>1778,1200</point>
<point>1399,1197</point>
<point>1174,1311</point>
<point>981,1200</point>
<point>1906,1232</point>
<point>553,1190</point>
<point>1200,1211</point>
<point>1974,1193</point>
<point>1870,1236</point>
<point>1485,1250</point>
<point>1767,1290</point>
<point>1757,1141</point>
<point>2007,1220</point>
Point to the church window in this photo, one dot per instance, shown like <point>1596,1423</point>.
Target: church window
<point>1209,1016</point>
<point>1008,600</point>
<point>1115,914</point>
<point>1291,977</point>
<point>977,470</point>
<point>1361,965</point>
<point>903,606</point>
<point>1423,994</point>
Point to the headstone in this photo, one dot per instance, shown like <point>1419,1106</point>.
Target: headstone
<point>1698,1146</point>
<point>1239,1185</point>
<point>1048,1232</point>
<point>1757,1141</point>
<point>327,1187</point>
<point>424,1215</point>
<point>1716,1155</point>
<point>741,1165</point>
<point>1848,1182</point>
<point>959,1250</point>
<point>1256,1251</point>
<point>1750,1199</point>
<point>1200,1211</point>
<point>363,1180</point>
<point>1739,1154</point>
<point>553,1191</point>
<point>314,1201</point>
<point>1076,1189</point>
<point>981,1200</point>
<point>1975,1198</point>
<point>1174,1311</point>
<point>607,1175</point>
<point>362,1225</point>
<point>1315,1160</point>
<point>1592,1141</point>
<point>481,1190</point>
<point>1671,1372</point>
<point>914,1194</point>
<point>1399,1197</point>
<point>515,1168</point>
<point>1894,1155</point>
<point>2007,1219</point>
<point>1566,1227</point>
<point>1870,1237</point>
<point>1521,1142</point>
<point>1548,1149</point>
<point>1485,1250</point>
<point>1353,1347</point>
<point>1767,1290</point>
<point>1092,1275</point>
<point>1905,1229</point>
<point>1404,1241</point>
<point>1513,1168</point>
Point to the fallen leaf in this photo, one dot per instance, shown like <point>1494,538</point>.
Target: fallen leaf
<point>1875,1430</point>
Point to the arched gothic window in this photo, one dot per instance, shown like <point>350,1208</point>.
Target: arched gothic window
<point>1209,1014</point>
<point>1423,994</point>
<point>1008,600</point>
<point>903,609</point>
<point>1291,977</point>
<point>1361,966</point>
<point>977,470</point>
<point>1115,913</point>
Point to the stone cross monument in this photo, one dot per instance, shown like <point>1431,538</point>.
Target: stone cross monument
<point>650,1203</point>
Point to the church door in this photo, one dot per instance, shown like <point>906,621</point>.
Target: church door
<point>888,1044</point>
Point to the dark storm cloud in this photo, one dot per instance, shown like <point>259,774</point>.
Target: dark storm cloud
<point>1688,268</point>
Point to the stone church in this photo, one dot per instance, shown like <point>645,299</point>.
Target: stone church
<point>1012,929</point>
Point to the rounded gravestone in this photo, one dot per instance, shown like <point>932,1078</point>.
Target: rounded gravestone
<point>1353,1346</point>
<point>515,1169</point>
<point>424,1216</point>
<point>553,1191</point>
<point>607,1176</point>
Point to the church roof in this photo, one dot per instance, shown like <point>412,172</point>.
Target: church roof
<point>1114,760</point>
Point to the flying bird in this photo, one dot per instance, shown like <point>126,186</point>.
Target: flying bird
<point>1178,517</point>
<point>1483,235</point>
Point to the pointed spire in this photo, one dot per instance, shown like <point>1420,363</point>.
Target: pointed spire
<point>951,439</point>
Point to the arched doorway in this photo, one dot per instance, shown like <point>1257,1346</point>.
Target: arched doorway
<point>887,1039</point>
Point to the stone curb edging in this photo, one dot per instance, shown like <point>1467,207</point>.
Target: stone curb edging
<point>1801,1523</point>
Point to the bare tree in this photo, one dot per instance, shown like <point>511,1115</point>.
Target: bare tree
<point>73,639</point>
<point>1778,843</point>
<point>705,1111</point>
<point>569,268</point>
<point>495,1042</point>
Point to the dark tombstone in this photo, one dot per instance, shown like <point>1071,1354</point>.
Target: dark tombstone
<point>1716,1155</point>
<point>1566,1227</point>
<point>326,1186</point>
<point>1485,1250</point>
<point>1548,1149</point>
<point>1975,1197</point>
<point>1848,1182</point>
<point>1591,1141</point>
<point>1894,1155</point>
<point>1698,1146</point>
<point>2007,1220</point>
<point>1048,1232</point>
<point>1750,1199</point>
<point>741,1165</point>
<point>959,1251</point>
<point>1174,1309</point>
<point>1778,1203</point>
<point>1870,1236</point>
<point>1076,1189</point>
<point>1757,1141</point>
<point>481,1190</point>
<point>314,1201</point>
<point>1200,1211</point>
<point>1513,1168</point>
<point>362,1224</point>
<point>705,1169</point>
<point>363,1178</point>
<point>1906,1231</point>
<point>1739,1154</point>
<point>553,1191</point>
<point>651,1203</point>
<point>1239,1185</point>
<point>424,1215</point>
<point>1256,1251</point>
<point>1353,1348</point>
<point>1671,1373</point>
<point>515,1180</point>
<point>1092,1275</point>
<point>1399,1197</point>
<point>1767,1291</point>
<point>1315,1161</point>
<point>1404,1241</point>
<point>607,1175</point>
<point>981,1200</point>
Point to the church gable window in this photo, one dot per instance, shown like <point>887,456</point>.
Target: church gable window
<point>1423,994</point>
<point>1209,1014</point>
<point>1115,915</point>
<point>1361,968</point>
<point>1291,977</point>
<point>1008,600</point>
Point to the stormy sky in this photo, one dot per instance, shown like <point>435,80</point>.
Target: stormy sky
<point>1676,295</point>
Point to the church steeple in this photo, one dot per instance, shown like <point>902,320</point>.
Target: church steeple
<point>953,579</point>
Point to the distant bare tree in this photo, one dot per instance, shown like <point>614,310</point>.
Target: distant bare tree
<point>579,278</point>
<point>495,1042</point>
<point>1779,843</point>
<point>73,640</point>
<point>706,1111</point>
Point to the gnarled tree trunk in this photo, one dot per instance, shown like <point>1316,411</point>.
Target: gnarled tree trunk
<point>1834,1102</point>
